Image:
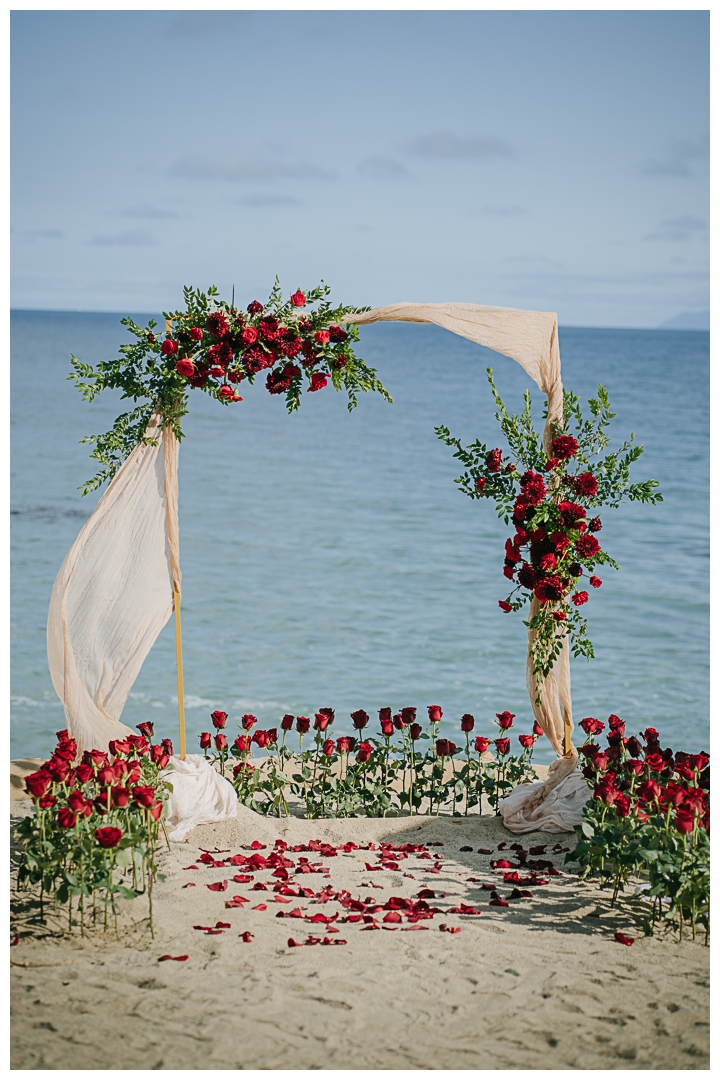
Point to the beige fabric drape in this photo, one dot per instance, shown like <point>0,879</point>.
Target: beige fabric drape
<point>114,591</point>
<point>530,338</point>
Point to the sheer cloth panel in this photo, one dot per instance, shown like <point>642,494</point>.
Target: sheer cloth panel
<point>114,591</point>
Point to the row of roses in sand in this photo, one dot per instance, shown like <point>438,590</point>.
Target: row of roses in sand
<point>549,499</point>
<point>372,774</point>
<point>649,817</point>
<point>95,830</point>
<point>215,347</point>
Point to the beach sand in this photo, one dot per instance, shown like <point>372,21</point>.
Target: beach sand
<point>539,984</point>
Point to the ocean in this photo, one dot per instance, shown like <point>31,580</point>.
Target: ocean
<point>329,560</point>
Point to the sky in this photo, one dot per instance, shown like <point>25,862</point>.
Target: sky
<point>550,160</point>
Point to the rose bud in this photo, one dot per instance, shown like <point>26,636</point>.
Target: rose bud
<point>287,722</point>
<point>467,723</point>
<point>120,796</point>
<point>537,730</point>
<point>108,836</point>
<point>96,758</point>
<point>302,724</point>
<point>415,730</point>
<point>76,801</point>
<point>146,729</point>
<point>684,821</point>
<point>298,299</point>
<point>352,743</point>
<point>186,368</point>
<point>248,720</point>
<point>249,335</point>
<point>134,773</point>
<point>169,347</point>
<point>398,722</point>
<point>321,721</point>
<point>385,714</point>
<point>218,720</point>
<point>196,333</point>
<point>442,747</point>
<point>503,745</point>
<point>155,810</point>
<point>434,714</point>
<point>480,483</point>
<point>493,460</point>
<point>220,741</point>
<point>503,604</point>
<point>66,817</point>
<point>481,744</point>
<point>359,719</point>
<point>317,381</point>
<point>272,736</point>
<point>408,714</point>
<point>505,719</point>
<point>167,746</point>
<point>387,728</point>
<point>261,739</point>
<point>119,746</point>
<point>559,616</point>
<point>328,747</point>
<point>151,338</point>
<point>343,745</point>
<point>601,762</point>
<point>596,582</point>
<point>622,805</point>
<point>526,741</point>
<point>205,740</point>
<point>364,752</point>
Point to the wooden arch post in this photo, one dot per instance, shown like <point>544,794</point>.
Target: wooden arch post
<point>178,641</point>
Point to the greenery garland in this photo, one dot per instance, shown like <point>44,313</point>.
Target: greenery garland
<point>214,347</point>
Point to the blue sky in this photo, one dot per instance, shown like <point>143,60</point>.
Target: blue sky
<point>549,160</point>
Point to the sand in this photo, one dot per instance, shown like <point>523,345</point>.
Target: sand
<point>539,984</point>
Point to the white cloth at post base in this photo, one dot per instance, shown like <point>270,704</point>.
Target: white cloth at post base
<point>200,796</point>
<point>560,810</point>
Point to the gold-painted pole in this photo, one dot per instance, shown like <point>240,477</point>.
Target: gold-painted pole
<point>178,640</point>
<point>178,651</point>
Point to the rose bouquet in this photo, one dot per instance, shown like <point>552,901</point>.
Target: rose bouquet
<point>551,501</point>
<point>649,816</point>
<point>95,829</point>
<point>214,347</point>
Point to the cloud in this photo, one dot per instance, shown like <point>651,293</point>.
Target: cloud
<point>130,238</point>
<point>205,24</point>
<point>269,200</point>
<point>382,168</point>
<point>675,161</point>
<point>145,210</point>
<point>445,145</point>
<point>679,229</point>
<point>253,169</point>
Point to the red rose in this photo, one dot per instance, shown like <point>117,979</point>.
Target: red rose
<point>504,605</point>
<point>415,731</point>
<point>480,483</point>
<point>144,795</point>
<point>503,745</point>
<point>84,773</point>
<point>302,724</point>
<point>481,744</point>
<point>505,719</point>
<point>322,337</point>
<point>649,790</point>
<point>205,740</point>
<point>261,738</point>
<point>352,743</point>
<point>587,546</point>
<point>287,722</point>
<point>46,802</point>
<point>218,719</point>
<point>78,803</point>
<point>155,810</point>
<point>343,745</point>
<point>537,730</point>
<point>108,836</point>
<point>386,726</point>
<point>37,783</point>
<point>564,447</point>
<point>95,757</point>
<point>467,722</point>
<point>321,721</point>
<point>249,335</point>
<point>221,741</point>
<point>622,805</point>
<point>317,382</point>
<point>248,721</point>
<point>591,726</point>
<point>298,299</point>
<point>359,719</point>
<point>226,393</point>
<point>493,461</point>
<point>434,714</point>
<point>186,368</point>
<point>385,714</point>
<point>151,338</point>
<point>550,464</point>
<point>364,752</point>
<point>548,562</point>
<point>196,333</point>
<point>509,572</point>
<point>601,762</point>
<point>105,776</point>
<point>66,817</point>
<point>549,589</point>
<point>243,743</point>
<point>655,762</point>
<point>398,721</point>
<point>445,748</point>
<point>119,746</point>
<point>328,747</point>
<point>594,525</point>
<point>684,821</point>
<point>169,347</point>
<point>120,796</point>
<point>559,616</point>
<point>580,598</point>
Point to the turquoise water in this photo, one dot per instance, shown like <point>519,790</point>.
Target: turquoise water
<point>329,560</point>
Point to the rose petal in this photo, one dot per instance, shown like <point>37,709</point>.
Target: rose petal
<point>167,957</point>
